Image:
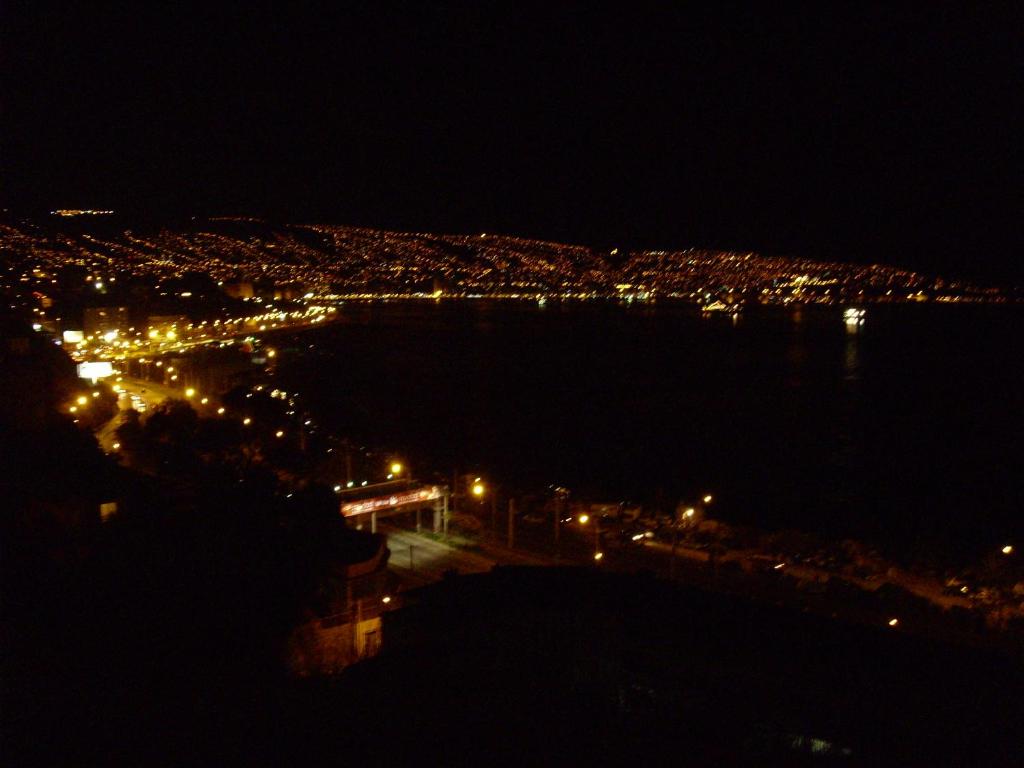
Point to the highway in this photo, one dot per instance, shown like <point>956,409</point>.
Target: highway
<point>150,393</point>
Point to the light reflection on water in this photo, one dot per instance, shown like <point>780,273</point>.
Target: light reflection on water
<point>783,412</point>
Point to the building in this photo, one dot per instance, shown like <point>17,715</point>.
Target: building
<point>239,290</point>
<point>97,321</point>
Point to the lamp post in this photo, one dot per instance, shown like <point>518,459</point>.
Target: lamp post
<point>686,516</point>
<point>584,520</point>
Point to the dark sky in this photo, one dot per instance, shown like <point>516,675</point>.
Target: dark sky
<point>863,133</point>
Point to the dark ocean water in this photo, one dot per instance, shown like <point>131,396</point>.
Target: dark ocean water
<point>908,432</point>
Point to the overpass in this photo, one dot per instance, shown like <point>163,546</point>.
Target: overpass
<point>397,497</point>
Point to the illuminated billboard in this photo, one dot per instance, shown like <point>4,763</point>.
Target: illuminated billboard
<point>95,370</point>
<point>377,503</point>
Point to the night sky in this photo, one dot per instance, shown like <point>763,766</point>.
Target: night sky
<point>865,133</point>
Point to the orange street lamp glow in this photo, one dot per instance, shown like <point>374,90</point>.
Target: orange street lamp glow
<point>396,468</point>
<point>82,400</point>
<point>584,518</point>
<point>189,392</point>
<point>279,433</point>
<point>478,487</point>
<point>598,556</point>
<point>893,622</point>
<point>1008,549</point>
<point>247,421</point>
<point>220,411</point>
<point>707,499</point>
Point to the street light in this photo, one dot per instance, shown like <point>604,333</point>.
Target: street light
<point>478,488</point>
<point>189,391</point>
<point>584,518</point>
<point>396,468</point>
<point>1008,549</point>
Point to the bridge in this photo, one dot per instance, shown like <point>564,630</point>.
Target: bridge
<point>394,498</point>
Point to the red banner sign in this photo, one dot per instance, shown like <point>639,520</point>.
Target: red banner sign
<point>377,503</point>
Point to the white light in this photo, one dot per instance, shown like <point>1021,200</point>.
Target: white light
<point>95,370</point>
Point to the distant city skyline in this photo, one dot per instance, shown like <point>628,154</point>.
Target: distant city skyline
<point>867,134</point>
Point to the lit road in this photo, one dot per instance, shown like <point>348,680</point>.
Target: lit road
<point>150,393</point>
<point>430,558</point>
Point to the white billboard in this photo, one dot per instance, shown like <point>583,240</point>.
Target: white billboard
<point>95,370</point>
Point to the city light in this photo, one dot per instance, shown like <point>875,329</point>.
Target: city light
<point>707,499</point>
<point>386,599</point>
<point>247,421</point>
<point>690,512</point>
<point>584,518</point>
<point>598,555</point>
<point>279,433</point>
<point>205,400</point>
<point>478,488</point>
<point>1008,549</point>
<point>220,411</point>
<point>396,468</point>
<point>893,622</point>
<point>189,391</point>
<point>82,400</point>
<point>116,446</point>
